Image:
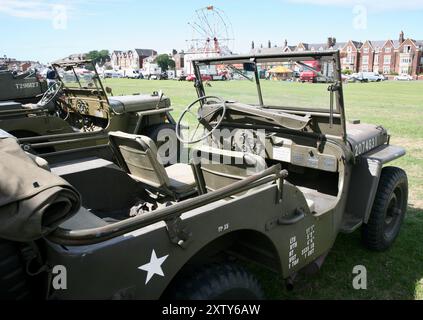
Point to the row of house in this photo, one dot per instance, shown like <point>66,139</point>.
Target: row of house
<point>130,59</point>
<point>402,56</point>
<point>19,65</point>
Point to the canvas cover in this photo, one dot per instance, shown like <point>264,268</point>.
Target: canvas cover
<point>33,201</point>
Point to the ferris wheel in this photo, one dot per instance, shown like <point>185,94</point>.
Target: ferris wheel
<point>211,31</point>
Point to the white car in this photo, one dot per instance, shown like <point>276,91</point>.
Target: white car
<point>111,74</point>
<point>367,77</point>
<point>132,74</point>
<point>403,77</point>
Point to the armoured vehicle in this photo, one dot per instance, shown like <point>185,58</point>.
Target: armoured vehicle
<point>78,105</point>
<point>26,87</point>
<point>272,180</point>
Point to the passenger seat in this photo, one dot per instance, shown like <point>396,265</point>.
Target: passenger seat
<point>138,156</point>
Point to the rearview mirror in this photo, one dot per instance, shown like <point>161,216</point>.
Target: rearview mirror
<point>249,67</point>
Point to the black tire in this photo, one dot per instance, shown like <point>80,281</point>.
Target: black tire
<point>13,280</point>
<point>225,281</point>
<point>388,210</point>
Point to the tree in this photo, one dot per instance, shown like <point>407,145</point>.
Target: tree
<point>98,56</point>
<point>164,62</point>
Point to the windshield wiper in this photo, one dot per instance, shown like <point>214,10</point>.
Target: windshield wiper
<point>239,72</point>
<point>318,73</point>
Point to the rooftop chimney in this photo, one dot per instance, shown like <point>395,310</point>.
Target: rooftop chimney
<point>252,44</point>
<point>401,37</point>
<point>269,44</point>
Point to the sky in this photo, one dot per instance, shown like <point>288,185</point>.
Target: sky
<point>45,30</point>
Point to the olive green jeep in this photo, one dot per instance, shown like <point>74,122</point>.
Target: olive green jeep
<point>273,174</point>
<point>78,106</point>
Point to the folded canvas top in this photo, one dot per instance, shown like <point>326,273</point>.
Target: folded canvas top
<point>33,201</point>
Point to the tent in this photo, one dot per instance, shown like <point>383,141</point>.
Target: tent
<point>280,73</point>
<point>280,69</point>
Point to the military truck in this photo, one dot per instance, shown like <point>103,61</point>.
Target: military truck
<point>78,106</point>
<point>277,192</point>
<point>26,87</point>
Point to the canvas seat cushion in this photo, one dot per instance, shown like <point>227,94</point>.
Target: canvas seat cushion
<point>181,177</point>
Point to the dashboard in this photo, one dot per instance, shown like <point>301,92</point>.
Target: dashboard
<point>283,149</point>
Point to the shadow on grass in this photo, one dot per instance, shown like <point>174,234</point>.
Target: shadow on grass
<point>394,274</point>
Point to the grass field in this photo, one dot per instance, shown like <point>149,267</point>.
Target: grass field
<point>398,106</point>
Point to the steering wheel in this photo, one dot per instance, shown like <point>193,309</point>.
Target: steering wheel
<point>203,117</point>
<point>50,94</point>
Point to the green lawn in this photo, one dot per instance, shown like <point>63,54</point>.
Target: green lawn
<point>398,106</point>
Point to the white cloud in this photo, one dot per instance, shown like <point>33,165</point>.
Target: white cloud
<point>27,9</point>
<point>372,5</point>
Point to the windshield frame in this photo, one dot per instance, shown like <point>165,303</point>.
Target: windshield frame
<point>333,56</point>
<point>72,65</point>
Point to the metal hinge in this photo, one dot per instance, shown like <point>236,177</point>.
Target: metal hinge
<point>178,232</point>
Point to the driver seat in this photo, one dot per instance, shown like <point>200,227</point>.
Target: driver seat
<point>137,155</point>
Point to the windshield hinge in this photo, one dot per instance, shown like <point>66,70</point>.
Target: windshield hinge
<point>332,88</point>
<point>178,232</point>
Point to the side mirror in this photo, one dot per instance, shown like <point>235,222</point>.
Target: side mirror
<point>109,91</point>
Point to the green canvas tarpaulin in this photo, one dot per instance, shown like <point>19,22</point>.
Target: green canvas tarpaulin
<point>33,201</point>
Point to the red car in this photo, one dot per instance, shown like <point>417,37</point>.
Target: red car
<point>308,75</point>
<point>204,77</point>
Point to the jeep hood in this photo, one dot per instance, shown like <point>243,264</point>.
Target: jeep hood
<point>364,137</point>
<point>136,103</point>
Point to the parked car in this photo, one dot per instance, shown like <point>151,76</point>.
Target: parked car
<point>190,77</point>
<point>403,77</point>
<point>345,77</point>
<point>27,87</point>
<point>132,74</point>
<point>367,77</point>
<point>80,107</point>
<point>163,76</point>
<point>204,77</point>
<point>308,75</point>
<point>111,74</point>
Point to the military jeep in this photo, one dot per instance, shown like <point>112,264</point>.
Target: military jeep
<point>78,105</point>
<point>269,179</point>
<point>25,87</point>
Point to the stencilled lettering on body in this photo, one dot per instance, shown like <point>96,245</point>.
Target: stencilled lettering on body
<point>292,256</point>
<point>309,248</point>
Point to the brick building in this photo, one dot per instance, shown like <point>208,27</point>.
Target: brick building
<point>130,59</point>
<point>386,57</point>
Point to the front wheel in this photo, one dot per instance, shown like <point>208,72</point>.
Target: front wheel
<point>388,210</point>
<point>225,281</point>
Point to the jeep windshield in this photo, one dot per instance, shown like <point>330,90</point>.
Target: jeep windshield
<point>285,81</point>
<point>78,75</point>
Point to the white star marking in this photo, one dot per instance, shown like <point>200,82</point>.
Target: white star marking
<point>154,266</point>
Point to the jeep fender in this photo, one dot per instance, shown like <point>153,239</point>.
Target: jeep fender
<point>365,179</point>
